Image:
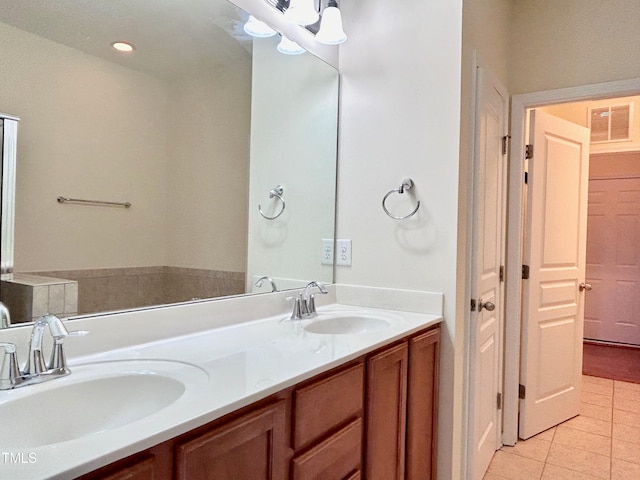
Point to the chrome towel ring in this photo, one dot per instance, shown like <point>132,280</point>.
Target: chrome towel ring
<point>407,184</point>
<point>277,192</point>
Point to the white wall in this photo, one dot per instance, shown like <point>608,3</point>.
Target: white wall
<point>400,117</point>
<point>293,144</point>
<point>564,43</point>
<point>88,129</point>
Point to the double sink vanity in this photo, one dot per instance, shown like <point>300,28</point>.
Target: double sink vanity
<point>236,389</point>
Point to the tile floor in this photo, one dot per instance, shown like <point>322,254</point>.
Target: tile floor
<point>603,442</point>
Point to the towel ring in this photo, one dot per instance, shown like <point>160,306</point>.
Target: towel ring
<point>407,184</point>
<point>277,192</point>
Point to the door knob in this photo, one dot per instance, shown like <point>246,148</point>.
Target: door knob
<point>585,286</point>
<point>486,305</point>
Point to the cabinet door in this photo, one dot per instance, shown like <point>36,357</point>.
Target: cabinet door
<point>386,414</point>
<point>251,447</point>
<point>422,405</point>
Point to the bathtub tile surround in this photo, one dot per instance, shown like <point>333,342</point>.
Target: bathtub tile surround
<point>29,296</point>
<point>107,289</point>
<point>246,345</point>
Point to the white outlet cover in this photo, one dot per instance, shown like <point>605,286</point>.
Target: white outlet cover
<point>327,252</point>
<point>343,252</point>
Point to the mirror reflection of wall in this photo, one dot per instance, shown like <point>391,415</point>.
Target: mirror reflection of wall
<point>171,135</point>
<point>294,116</point>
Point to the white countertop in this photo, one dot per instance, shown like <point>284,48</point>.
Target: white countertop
<point>236,364</point>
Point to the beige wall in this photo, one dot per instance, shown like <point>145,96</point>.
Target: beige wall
<point>578,112</point>
<point>208,171</point>
<point>564,43</point>
<point>91,129</point>
<point>88,129</point>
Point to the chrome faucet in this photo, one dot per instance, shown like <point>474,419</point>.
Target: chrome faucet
<point>274,288</point>
<point>9,371</point>
<point>305,305</point>
<point>36,370</point>
<point>5,318</point>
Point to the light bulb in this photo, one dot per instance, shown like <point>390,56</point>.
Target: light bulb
<point>123,47</point>
<point>257,28</point>
<point>302,12</point>
<point>289,47</point>
<point>331,32</point>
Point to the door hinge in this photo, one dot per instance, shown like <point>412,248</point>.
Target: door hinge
<point>525,272</point>
<point>473,304</point>
<point>521,392</point>
<point>528,152</point>
<point>505,141</point>
<point>499,401</point>
<point>501,273</point>
<point>526,177</point>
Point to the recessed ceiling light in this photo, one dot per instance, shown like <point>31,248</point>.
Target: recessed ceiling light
<point>123,47</point>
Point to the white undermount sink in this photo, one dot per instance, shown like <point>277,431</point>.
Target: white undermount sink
<point>348,323</point>
<point>95,398</point>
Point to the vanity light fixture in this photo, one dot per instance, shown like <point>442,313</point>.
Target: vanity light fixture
<point>331,31</point>
<point>327,28</point>
<point>123,47</point>
<point>302,12</point>
<point>289,47</point>
<point>257,28</point>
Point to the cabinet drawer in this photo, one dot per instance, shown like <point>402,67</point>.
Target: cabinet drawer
<point>326,404</point>
<point>339,456</point>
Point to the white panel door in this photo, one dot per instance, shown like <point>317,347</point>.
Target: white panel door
<point>487,287</point>
<point>612,309</point>
<point>555,251</point>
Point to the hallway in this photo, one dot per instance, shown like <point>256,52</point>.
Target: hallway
<point>603,442</point>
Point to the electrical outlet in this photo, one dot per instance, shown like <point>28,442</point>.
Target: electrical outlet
<point>343,252</point>
<point>327,251</point>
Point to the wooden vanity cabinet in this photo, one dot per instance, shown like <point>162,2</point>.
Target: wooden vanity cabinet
<point>402,410</point>
<point>422,406</point>
<point>328,425</point>
<point>374,419</point>
<point>153,464</point>
<point>337,457</point>
<point>251,447</point>
<point>386,413</point>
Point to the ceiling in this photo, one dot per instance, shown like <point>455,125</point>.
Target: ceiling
<point>171,36</point>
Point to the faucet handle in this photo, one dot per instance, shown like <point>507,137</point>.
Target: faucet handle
<point>311,306</point>
<point>296,314</point>
<point>58,360</point>
<point>5,317</point>
<point>9,370</point>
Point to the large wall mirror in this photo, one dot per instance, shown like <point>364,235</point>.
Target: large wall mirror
<point>197,128</point>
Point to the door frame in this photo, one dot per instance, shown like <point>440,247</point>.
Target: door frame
<point>515,225</point>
